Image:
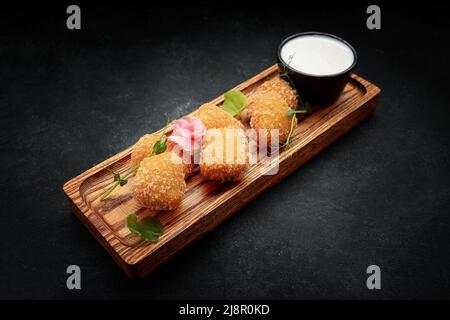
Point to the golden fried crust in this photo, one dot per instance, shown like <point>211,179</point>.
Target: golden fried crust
<point>143,147</point>
<point>276,85</point>
<point>188,162</point>
<point>159,183</point>
<point>215,164</point>
<point>271,113</point>
<point>188,169</point>
<point>214,117</point>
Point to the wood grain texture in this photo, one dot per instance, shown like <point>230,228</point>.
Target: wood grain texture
<point>206,204</point>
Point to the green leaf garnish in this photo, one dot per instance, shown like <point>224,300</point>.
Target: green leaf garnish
<point>148,228</point>
<point>234,102</point>
<point>291,113</point>
<point>159,147</point>
<point>161,144</point>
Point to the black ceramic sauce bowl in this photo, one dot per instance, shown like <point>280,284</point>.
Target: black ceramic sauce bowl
<point>318,89</point>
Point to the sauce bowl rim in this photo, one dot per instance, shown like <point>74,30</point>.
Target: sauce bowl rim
<point>301,34</point>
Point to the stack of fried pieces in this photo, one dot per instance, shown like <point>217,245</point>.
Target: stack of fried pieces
<point>223,151</point>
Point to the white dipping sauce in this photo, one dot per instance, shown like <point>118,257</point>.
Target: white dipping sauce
<point>317,55</point>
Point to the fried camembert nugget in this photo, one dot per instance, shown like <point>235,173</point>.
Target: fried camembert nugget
<point>276,85</point>
<point>271,112</point>
<point>214,117</point>
<point>159,183</point>
<point>144,147</point>
<point>224,155</point>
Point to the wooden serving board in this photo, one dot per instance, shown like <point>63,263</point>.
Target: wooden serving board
<point>206,204</point>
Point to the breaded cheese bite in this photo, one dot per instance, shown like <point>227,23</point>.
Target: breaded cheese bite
<point>144,147</point>
<point>271,112</point>
<point>214,117</point>
<point>224,155</point>
<point>159,183</point>
<point>270,87</point>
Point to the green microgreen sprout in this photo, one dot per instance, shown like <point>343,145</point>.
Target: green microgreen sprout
<point>304,107</point>
<point>292,114</point>
<point>121,179</point>
<point>284,72</point>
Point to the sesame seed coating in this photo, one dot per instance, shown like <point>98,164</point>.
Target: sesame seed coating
<point>159,183</point>
<point>224,154</point>
<point>214,117</point>
<point>144,147</point>
<point>276,85</point>
<point>270,112</point>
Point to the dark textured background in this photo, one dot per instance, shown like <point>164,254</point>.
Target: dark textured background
<point>380,195</point>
